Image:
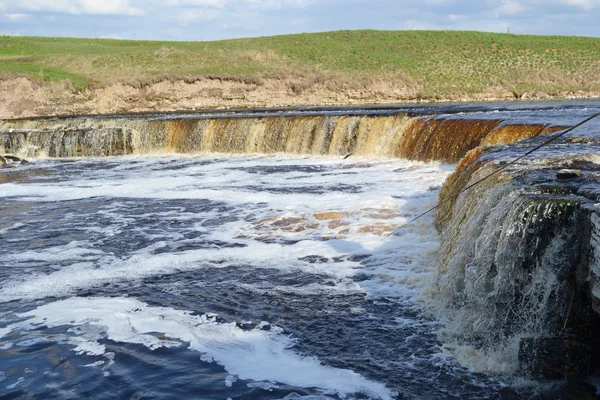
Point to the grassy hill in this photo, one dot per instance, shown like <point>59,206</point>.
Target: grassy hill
<point>436,63</point>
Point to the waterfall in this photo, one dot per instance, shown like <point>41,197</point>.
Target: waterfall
<point>426,138</point>
<point>519,271</point>
<point>70,143</point>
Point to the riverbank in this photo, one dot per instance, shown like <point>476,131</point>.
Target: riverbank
<point>23,97</point>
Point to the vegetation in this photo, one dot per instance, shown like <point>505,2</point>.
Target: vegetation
<point>436,63</point>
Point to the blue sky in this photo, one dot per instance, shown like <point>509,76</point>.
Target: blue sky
<point>226,19</point>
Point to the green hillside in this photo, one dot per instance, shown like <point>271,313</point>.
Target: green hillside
<point>438,63</point>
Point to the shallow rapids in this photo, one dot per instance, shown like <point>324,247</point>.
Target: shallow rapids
<point>217,278</point>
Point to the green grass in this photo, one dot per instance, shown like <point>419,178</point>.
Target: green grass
<point>42,73</point>
<point>438,63</point>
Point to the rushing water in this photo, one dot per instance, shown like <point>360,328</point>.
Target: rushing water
<point>217,278</point>
<point>247,277</point>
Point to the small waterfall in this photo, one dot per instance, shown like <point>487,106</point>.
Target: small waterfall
<point>70,143</point>
<point>594,273</point>
<point>424,138</point>
<point>519,270</point>
<point>506,278</point>
<point>433,144</point>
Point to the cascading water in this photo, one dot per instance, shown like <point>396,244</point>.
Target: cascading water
<point>517,257</point>
<point>388,135</point>
<point>177,270</point>
<point>510,273</point>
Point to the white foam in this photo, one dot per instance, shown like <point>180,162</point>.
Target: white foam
<point>225,181</point>
<point>230,380</point>
<point>296,396</point>
<point>379,193</point>
<point>17,383</point>
<point>263,385</point>
<point>68,280</point>
<point>75,250</point>
<point>255,355</point>
<point>4,231</point>
<point>397,265</point>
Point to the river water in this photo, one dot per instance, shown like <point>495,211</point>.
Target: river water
<point>233,277</point>
<point>215,278</point>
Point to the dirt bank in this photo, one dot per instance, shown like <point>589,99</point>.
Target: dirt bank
<point>23,97</point>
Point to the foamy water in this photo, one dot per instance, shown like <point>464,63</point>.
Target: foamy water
<point>230,277</point>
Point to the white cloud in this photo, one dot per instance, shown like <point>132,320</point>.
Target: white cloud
<point>200,3</point>
<point>17,17</point>
<point>457,17</point>
<point>415,25</point>
<point>197,15</point>
<point>107,7</point>
<point>267,5</point>
<point>246,22</point>
<point>510,7</point>
<point>585,4</point>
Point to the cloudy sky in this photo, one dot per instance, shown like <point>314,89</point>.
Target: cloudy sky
<point>226,19</point>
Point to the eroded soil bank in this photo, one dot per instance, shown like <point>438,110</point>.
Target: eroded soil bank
<point>22,97</point>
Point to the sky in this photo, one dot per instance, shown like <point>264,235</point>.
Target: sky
<point>201,20</point>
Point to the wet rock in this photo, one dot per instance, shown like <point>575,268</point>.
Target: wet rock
<point>7,158</point>
<point>329,215</point>
<point>574,390</point>
<point>378,229</point>
<point>245,325</point>
<point>356,165</point>
<point>507,394</point>
<point>285,222</point>
<point>555,358</point>
<point>568,174</point>
<point>314,259</point>
<point>337,223</point>
<point>265,327</point>
<point>382,213</point>
<point>2,161</point>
